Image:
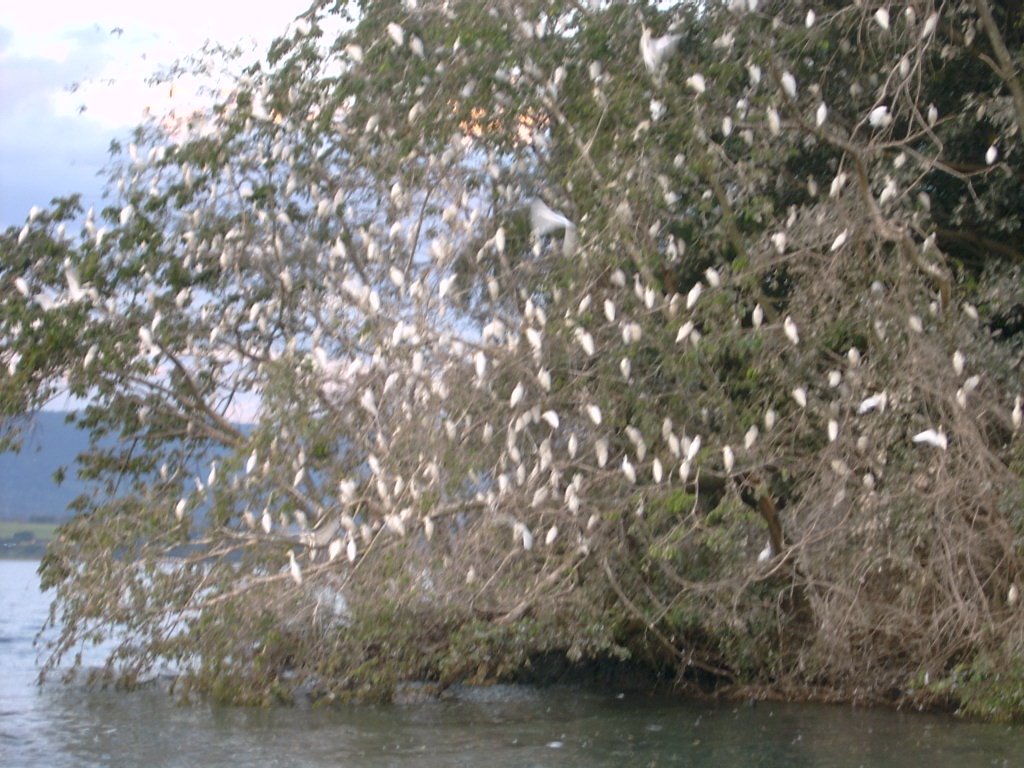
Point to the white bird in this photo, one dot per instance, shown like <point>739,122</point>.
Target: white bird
<point>774,122</point>
<point>609,310</point>
<point>655,50</point>
<point>293,566</point>
<point>800,395</point>
<point>790,329</point>
<point>878,401</point>
<point>545,221</point>
<point>334,549</point>
<point>931,437</point>
<point>587,342</point>
<point>551,418</point>
<point>821,115</point>
<point>657,470</point>
<point>626,367</point>
<point>694,294</point>
<point>517,395</point>
<point>350,549</point>
<point>594,412</point>
<point>769,419</point>
<point>958,362</point>
<point>758,316</point>
<point>1012,596</point>
<point>697,83</point>
<point>835,378</point>
<point>879,117</point>
<point>751,437</point>
<point>368,401</point>
<point>929,25</point>
<point>882,18</point>
<point>628,470</point>
<point>601,449</point>
<point>684,330</point>
<point>728,459</point>
<point>694,449</point>
<point>840,241</point>
<point>1016,416</point>
<point>396,33</point>
<point>833,430</point>
<point>767,553</point>
<point>789,84</point>
<point>179,509</point>
<point>552,535</point>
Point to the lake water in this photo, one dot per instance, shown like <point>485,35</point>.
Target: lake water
<point>56,725</point>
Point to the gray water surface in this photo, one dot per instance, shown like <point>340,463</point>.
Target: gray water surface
<point>56,725</point>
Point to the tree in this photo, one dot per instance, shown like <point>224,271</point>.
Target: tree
<point>550,336</point>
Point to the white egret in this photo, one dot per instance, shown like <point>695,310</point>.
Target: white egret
<point>767,553</point>
<point>882,18</point>
<point>334,549</point>
<point>800,395</point>
<point>728,459</point>
<point>931,437</point>
<point>790,329</point>
<point>655,50</point>
<point>293,566</point>
<point>697,83</point>
<point>877,401</point>
<point>628,470</point>
<point>545,221</point>
<point>551,536</point>
<point>693,449</point>
<point>789,84</point>
<point>751,437</point>
<point>879,117</point>
<point>694,294</point>
<point>929,25</point>
<point>396,33</point>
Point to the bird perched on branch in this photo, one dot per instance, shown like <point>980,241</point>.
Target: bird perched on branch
<point>656,50</point>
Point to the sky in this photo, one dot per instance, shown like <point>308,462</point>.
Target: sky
<point>73,77</point>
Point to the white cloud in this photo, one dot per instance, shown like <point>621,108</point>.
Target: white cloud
<point>73,77</point>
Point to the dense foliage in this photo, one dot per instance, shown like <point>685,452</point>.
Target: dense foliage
<point>683,333</point>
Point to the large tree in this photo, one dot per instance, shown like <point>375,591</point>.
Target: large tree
<point>687,333</point>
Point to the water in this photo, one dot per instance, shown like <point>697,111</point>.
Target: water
<point>57,726</point>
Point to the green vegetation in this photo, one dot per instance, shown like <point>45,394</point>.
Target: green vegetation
<point>683,336</point>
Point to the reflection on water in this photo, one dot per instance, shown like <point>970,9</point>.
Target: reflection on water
<point>502,726</point>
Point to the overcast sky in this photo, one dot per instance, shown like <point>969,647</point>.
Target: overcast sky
<point>54,137</point>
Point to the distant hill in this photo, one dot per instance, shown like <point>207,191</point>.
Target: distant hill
<point>27,489</point>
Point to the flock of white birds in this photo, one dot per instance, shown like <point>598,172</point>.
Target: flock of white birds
<point>399,387</point>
